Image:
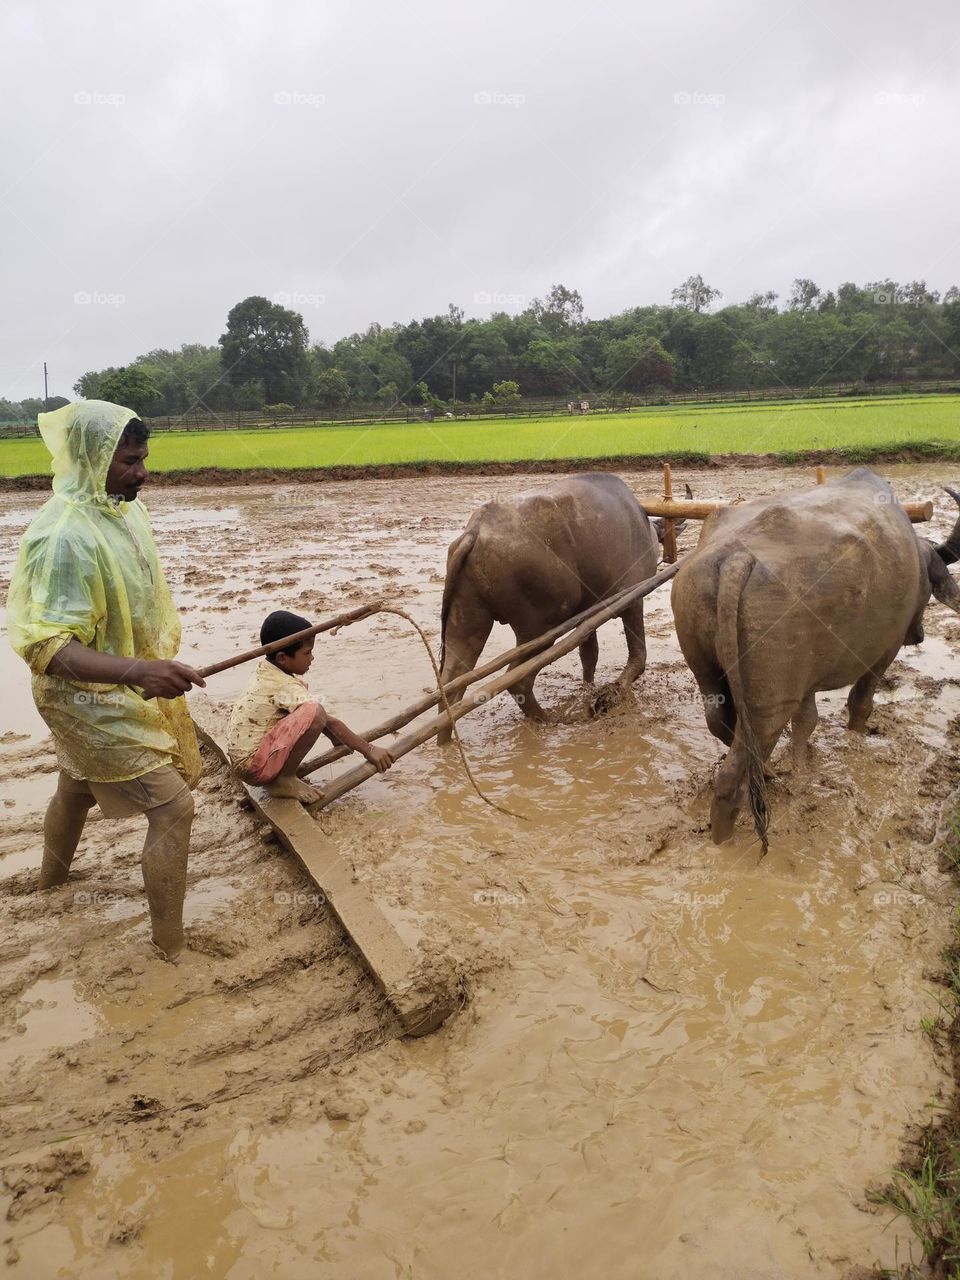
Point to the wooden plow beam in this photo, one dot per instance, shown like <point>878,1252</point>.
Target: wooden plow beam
<point>672,511</point>
<point>422,1002</point>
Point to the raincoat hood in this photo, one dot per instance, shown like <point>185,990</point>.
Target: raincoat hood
<point>82,439</point>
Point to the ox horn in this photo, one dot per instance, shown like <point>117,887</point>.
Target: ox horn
<point>949,551</point>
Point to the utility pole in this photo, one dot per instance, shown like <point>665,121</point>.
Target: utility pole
<point>46,397</point>
<point>454,384</point>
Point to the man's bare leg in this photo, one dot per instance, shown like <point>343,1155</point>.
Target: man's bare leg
<point>164,864</point>
<point>62,829</point>
<point>286,783</point>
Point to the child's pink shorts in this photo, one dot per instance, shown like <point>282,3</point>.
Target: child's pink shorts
<point>274,750</point>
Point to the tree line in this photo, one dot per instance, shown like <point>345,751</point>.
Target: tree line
<point>875,332</point>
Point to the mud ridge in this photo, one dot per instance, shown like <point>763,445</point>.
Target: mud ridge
<point>934,451</point>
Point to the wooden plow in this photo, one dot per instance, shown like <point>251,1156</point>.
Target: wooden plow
<point>422,1000</point>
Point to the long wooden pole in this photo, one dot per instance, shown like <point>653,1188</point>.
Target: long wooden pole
<point>429,700</point>
<point>353,777</point>
<point>917,511</point>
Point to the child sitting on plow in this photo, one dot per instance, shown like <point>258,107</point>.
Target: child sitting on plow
<point>276,720</point>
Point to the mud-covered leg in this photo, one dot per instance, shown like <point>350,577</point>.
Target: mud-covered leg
<point>732,775</point>
<point>467,630</point>
<point>62,829</point>
<point>860,697</point>
<point>611,694</point>
<point>805,720</point>
<point>728,792</point>
<point>589,653</point>
<point>522,693</point>
<point>632,619</point>
<point>164,865</point>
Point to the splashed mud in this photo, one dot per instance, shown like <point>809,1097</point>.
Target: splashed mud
<point>676,1060</point>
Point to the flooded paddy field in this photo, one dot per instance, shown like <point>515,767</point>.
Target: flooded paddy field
<point>675,1059</point>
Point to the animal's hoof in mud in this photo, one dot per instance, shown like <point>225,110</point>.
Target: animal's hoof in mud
<point>605,699</point>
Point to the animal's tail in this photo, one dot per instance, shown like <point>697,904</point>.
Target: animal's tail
<point>457,554</point>
<point>734,574</point>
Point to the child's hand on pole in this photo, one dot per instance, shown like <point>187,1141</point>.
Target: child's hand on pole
<point>380,757</point>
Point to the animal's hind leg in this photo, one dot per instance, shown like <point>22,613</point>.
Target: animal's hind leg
<point>610,695</point>
<point>729,789</point>
<point>522,692</point>
<point>802,725</point>
<point>467,630</point>
<point>632,619</point>
<point>860,697</point>
<point>589,653</point>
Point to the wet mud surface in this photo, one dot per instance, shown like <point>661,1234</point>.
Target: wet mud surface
<point>676,1060</point>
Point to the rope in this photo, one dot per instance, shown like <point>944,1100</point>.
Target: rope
<point>401,613</point>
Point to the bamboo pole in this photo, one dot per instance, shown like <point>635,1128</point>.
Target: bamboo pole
<point>353,777</point>
<point>288,642</point>
<point>917,511</point>
<point>669,524</point>
<point>429,700</point>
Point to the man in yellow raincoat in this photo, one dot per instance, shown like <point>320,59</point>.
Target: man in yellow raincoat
<point>91,613</point>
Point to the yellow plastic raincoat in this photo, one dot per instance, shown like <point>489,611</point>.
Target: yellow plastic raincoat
<point>88,568</point>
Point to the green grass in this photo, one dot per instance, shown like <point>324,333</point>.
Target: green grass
<point>860,427</point>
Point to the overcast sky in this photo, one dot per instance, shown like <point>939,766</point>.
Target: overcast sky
<point>376,161</point>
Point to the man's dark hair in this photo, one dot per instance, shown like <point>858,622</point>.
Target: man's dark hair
<point>278,625</point>
<point>135,432</point>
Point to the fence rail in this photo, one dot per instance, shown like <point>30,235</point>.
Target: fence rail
<point>251,419</point>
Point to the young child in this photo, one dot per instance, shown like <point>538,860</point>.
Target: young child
<point>275,721</point>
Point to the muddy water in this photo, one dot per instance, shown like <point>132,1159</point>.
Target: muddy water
<point>675,1060</point>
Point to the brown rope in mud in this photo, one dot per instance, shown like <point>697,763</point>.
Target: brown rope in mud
<point>401,613</point>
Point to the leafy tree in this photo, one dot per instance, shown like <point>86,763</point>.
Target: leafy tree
<point>428,399</point>
<point>88,385</point>
<point>191,378</point>
<point>30,408</point>
<point>249,395</point>
<point>131,387</point>
<point>916,295</point>
<point>560,311</point>
<point>504,393</point>
<point>332,389</point>
<point>388,395</point>
<point>267,342</point>
<point>764,304</point>
<point>803,295</point>
<point>695,294</point>
<point>636,364</point>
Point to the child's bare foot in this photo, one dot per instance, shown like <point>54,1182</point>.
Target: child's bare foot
<point>294,789</point>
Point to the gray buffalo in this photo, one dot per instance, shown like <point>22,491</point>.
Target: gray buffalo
<point>538,559</point>
<point>793,594</point>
